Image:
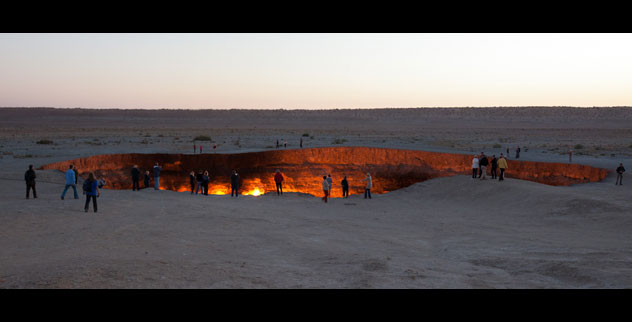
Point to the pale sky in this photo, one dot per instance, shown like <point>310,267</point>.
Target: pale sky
<point>314,71</point>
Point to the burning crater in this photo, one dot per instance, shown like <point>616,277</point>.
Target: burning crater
<point>303,169</point>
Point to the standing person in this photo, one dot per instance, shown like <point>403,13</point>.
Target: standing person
<point>277,144</point>
<point>234,184</point>
<point>301,143</point>
<point>92,192</point>
<point>205,181</point>
<point>325,188</point>
<point>331,183</point>
<point>29,177</point>
<point>570,156</point>
<point>284,143</point>
<point>76,173</point>
<point>199,177</point>
<point>146,179</point>
<point>507,150</point>
<point>517,152</point>
<point>200,148</point>
<point>620,171</point>
<point>157,170</point>
<point>70,182</point>
<point>369,185</point>
<point>502,165</point>
<point>192,181</point>
<point>278,179</point>
<point>494,166</point>
<point>345,187</point>
<point>194,148</point>
<point>483,166</point>
<point>135,178</point>
<point>214,148</point>
<point>474,166</point>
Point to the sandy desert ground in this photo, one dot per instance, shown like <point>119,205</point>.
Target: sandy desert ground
<point>452,232</point>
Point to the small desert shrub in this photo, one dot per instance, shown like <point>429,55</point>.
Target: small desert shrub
<point>144,141</point>
<point>202,138</point>
<point>497,146</point>
<point>338,141</point>
<point>578,147</point>
<point>44,142</point>
<point>305,134</point>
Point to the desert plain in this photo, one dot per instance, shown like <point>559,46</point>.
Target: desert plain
<point>449,232</point>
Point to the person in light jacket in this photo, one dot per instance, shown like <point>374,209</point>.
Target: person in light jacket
<point>502,165</point>
<point>70,182</point>
<point>325,188</point>
<point>475,166</point>
<point>369,185</point>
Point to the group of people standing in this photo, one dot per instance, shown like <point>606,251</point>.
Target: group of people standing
<point>136,178</point>
<point>199,182</point>
<point>328,183</point>
<point>480,163</point>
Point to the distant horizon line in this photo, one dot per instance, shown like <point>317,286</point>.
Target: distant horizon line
<point>309,109</point>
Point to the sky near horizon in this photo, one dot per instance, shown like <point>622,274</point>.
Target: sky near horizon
<point>314,71</point>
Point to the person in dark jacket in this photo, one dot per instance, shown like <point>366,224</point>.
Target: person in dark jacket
<point>199,178</point>
<point>93,193</point>
<point>76,174</point>
<point>278,179</point>
<point>620,171</point>
<point>345,187</point>
<point>157,170</point>
<point>234,184</point>
<point>483,162</point>
<point>135,178</point>
<point>29,177</point>
<point>192,181</point>
<point>517,152</point>
<point>101,182</point>
<point>205,181</point>
<point>494,166</point>
<point>331,183</point>
<point>146,179</point>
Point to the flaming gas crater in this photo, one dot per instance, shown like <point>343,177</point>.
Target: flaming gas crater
<point>303,169</point>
